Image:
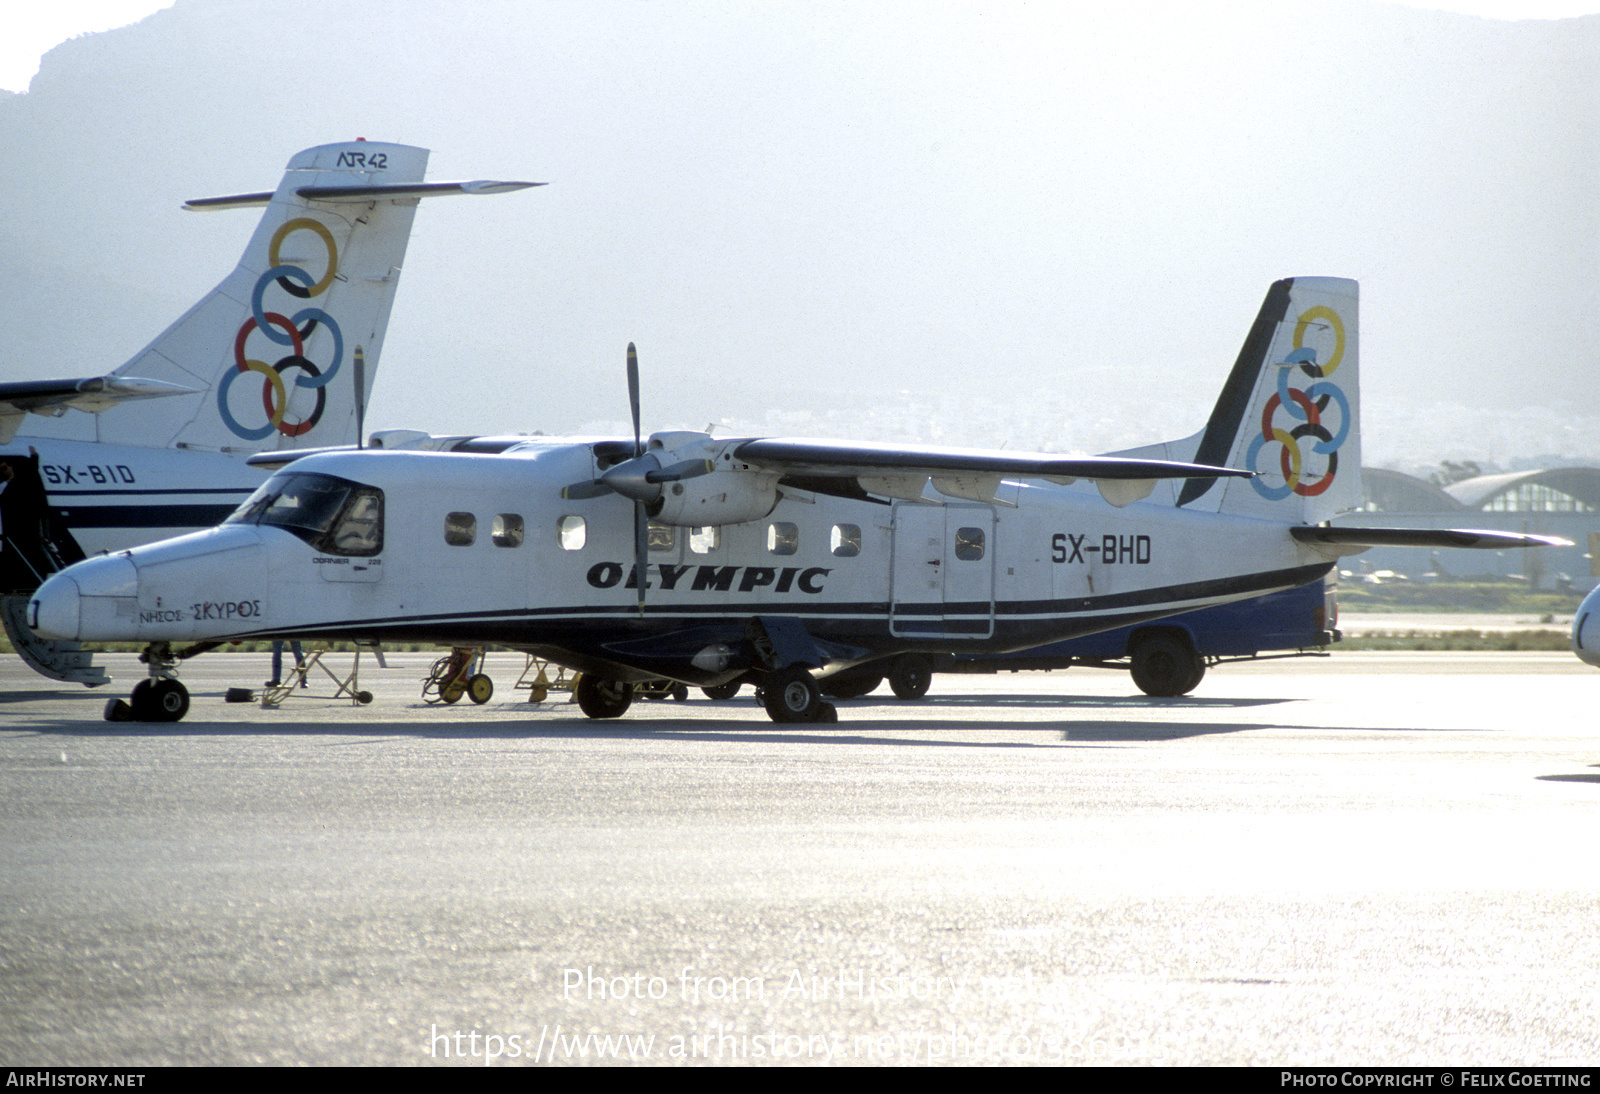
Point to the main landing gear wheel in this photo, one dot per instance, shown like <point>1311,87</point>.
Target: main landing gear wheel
<point>163,700</point>
<point>1166,666</point>
<point>911,676</point>
<point>599,698</point>
<point>723,691</point>
<point>792,695</point>
<point>852,684</point>
<point>480,688</point>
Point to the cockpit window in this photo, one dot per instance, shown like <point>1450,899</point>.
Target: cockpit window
<point>335,516</point>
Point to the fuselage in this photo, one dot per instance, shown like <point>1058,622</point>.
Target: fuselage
<point>112,496</point>
<point>455,548</point>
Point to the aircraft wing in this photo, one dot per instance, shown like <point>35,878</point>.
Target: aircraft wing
<point>903,470</point>
<point>92,394</point>
<point>855,458</point>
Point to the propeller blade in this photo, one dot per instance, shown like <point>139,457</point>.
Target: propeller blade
<point>641,519</point>
<point>582,491</point>
<point>641,549</point>
<point>633,395</point>
<point>688,469</point>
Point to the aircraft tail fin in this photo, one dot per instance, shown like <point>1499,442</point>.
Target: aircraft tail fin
<point>1289,411</point>
<point>282,354</point>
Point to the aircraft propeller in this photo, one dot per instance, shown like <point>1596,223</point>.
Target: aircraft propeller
<point>640,478</point>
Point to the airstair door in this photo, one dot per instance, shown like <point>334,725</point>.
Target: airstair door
<point>943,580</point>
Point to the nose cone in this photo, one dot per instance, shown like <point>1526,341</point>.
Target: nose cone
<point>94,599</point>
<point>53,611</point>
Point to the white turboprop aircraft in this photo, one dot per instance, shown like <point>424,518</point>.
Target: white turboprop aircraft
<point>712,561</point>
<point>279,357</point>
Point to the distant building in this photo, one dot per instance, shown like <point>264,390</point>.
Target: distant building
<point>1557,502</point>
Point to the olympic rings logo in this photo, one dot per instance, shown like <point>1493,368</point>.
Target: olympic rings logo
<point>1308,412</point>
<point>288,331</point>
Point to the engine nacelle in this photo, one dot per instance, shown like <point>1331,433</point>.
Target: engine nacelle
<point>1586,629</point>
<point>719,497</point>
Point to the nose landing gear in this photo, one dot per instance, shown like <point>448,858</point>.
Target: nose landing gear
<point>161,698</point>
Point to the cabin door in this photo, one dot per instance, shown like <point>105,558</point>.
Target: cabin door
<point>943,581</point>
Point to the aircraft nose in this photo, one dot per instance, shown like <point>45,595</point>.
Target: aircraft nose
<point>53,610</point>
<point>1586,630</point>
<point>87,601</point>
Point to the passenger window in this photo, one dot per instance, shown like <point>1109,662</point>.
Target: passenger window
<point>846,540</point>
<point>702,541</point>
<point>783,538</point>
<point>573,532</point>
<point>661,536</point>
<point>969,544</point>
<point>460,529</point>
<point>507,530</point>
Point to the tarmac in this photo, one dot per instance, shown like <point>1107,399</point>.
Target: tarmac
<point>1360,859</point>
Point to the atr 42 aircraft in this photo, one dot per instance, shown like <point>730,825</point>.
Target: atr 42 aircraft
<point>279,357</point>
<point>712,561</point>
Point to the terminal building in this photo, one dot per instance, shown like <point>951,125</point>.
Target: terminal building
<point>1561,502</point>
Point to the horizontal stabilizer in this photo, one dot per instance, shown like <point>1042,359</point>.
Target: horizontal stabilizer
<point>92,394</point>
<point>1362,538</point>
<point>231,201</point>
<point>378,192</point>
<point>410,190</point>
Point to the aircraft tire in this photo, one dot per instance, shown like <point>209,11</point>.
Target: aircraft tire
<point>1166,665</point>
<point>139,705</point>
<point>159,701</point>
<point>118,710</point>
<point>723,691</point>
<point>599,698</point>
<point>792,695</point>
<point>851,685</point>
<point>480,688</point>
<point>911,676</point>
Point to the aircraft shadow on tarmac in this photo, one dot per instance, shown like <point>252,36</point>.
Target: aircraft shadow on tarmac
<point>674,721</point>
<point>1087,733</point>
<point>1579,777</point>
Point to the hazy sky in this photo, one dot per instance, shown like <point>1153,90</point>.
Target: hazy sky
<point>1035,224</point>
<point>34,29</point>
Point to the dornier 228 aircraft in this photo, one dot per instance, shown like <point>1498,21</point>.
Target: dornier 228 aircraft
<point>280,357</point>
<point>779,561</point>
